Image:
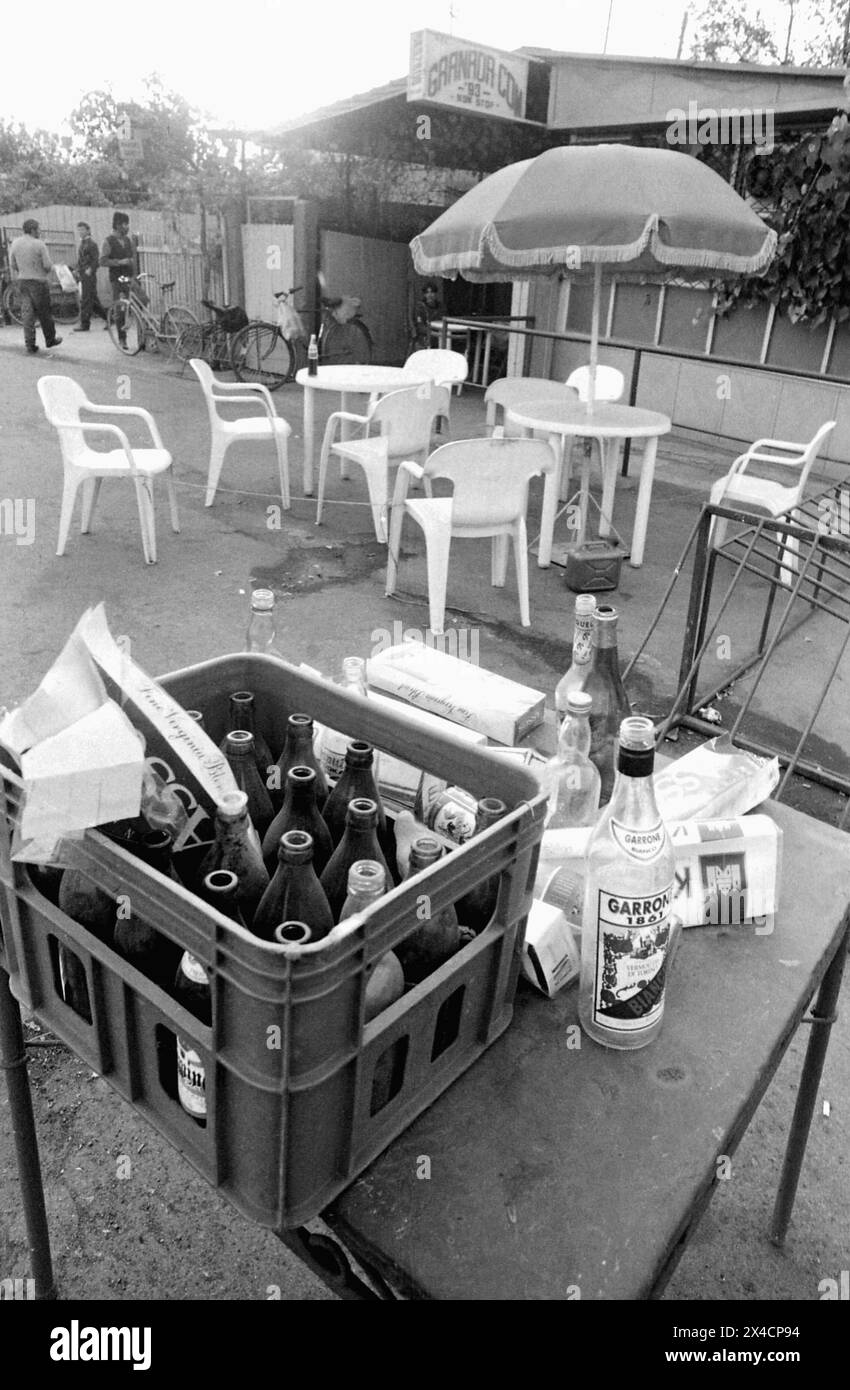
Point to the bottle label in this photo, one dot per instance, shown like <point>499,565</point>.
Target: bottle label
<point>582,642</point>
<point>642,845</point>
<point>191,1080</point>
<point>193,970</point>
<point>631,958</point>
<point>455,821</point>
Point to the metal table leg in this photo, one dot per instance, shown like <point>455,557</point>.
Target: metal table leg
<point>13,1062</point>
<point>823,1016</point>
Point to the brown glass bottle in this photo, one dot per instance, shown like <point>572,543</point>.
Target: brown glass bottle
<point>294,894</point>
<point>438,937</point>
<point>298,751</point>
<point>136,940</point>
<point>299,812</point>
<point>242,714</point>
<point>360,841</point>
<point>237,848</point>
<point>610,702</point>
<point>192,989</point>
<point>477,906</point>
<point>239,750</point>
<point>356,780</point>
<point>221,890</point>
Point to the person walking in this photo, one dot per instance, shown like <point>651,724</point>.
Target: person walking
<point>88,260</point>
<point>31,264</point>
<point>119,255</point>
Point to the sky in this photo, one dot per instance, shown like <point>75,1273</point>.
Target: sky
<point>254,63</point>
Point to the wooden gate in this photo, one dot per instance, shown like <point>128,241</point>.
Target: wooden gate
<point>376,271</point>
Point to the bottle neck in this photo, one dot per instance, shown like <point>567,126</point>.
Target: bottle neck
<point>242,712</point>
<point>634,791</point>
<point>575,735</point>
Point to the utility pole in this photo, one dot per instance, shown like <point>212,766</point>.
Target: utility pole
<point>685,17</point>
<point>608,25</point>
<point>845,47</point>
<point>788,35</point>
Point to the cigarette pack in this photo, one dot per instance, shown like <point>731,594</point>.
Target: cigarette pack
<point>457,690</point>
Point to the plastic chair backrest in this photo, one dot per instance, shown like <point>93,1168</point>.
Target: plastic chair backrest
<point>63,399</point>
<point>490,477</point>
<point>203,372</point>
<point>610,383</point>
<point>405,417</point>
<point>441,363</point>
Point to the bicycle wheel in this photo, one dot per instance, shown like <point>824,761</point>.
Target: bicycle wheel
<point>347,342</point>
<point>175,319</point>
<point>259,353</point>
<point>125,328</point>
<point>65,307</point>
<point>190,342</point>
<point>12,304</point>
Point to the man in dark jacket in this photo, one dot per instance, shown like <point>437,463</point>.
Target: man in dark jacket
<point>119,255</point>
<point>88,260</point>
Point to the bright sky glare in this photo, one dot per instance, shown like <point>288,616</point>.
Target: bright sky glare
<point>255,63</point>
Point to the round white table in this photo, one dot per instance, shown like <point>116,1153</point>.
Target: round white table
<point>609,423</point>
<point>354,380</point>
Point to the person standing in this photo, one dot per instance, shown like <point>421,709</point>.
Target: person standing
<point>423,313</point>
<point>88,260</point>
<point>119,255</point>
<point>31,264</point>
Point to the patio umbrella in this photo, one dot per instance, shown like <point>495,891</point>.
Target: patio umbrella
<point>585,209</point>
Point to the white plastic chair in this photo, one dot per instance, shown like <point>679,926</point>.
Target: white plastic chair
<point>396,426</point>
<point>741,488</point>
<point>224,432</point>
<point>445,367</point>
<point>490,479</point>
<point>507,391</point>
<point>63,400</point>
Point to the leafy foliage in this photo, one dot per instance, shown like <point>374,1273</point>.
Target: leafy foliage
<point>728,32</point>
<point>807,187</point>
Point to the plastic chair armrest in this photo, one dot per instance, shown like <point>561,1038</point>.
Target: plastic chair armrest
<point>90,428</point>
<point>131,410</point>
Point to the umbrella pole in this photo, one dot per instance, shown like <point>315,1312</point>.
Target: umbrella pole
<point>594,335</point>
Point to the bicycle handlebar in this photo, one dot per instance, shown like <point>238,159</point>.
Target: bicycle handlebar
<point>285,294</point>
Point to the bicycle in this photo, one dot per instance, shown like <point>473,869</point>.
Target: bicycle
<point>133,326</point>
<point>64,304</point>
<point>211,342</point>
<point>272,353</point>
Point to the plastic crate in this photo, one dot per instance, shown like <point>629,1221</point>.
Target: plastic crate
<point>293,1074</point>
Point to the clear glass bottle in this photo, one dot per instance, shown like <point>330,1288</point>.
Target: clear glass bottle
<point>261,628</point>
<point>626,924</point>
<point>367,882</point>
<point>582,654</point>
<point>294,894</point>
<point>476,908</point>
<point>610,703</point>
<point>299,812</point>
<point>298,751</point>
<point>438,937</point>
<point>239,751</point>
<point>360,841</point>
<point>237,848</point>
<point>242,714</point>
<point>357,779</point>
<point>331,743</point>
<point>571,779</point>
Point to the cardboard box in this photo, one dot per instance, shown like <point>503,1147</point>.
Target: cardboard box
<point>457,690</point>
<point>550,958</point>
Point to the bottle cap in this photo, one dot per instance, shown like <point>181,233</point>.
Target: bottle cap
<point>366,874</point>
<point>292,934</point>
<point>637,732</point>
<point>240,743</point>
<point>262,600</point>
<point>579,702</point>
<point>232,805</point>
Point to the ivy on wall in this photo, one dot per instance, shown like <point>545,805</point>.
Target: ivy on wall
<point>803,192</point>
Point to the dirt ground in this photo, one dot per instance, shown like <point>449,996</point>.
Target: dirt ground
<point>129,1218</point>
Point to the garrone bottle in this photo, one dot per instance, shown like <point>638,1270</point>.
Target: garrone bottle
<point>626,926</point>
